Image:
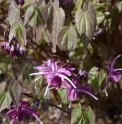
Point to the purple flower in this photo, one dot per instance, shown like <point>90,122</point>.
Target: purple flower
<point>72,93</point>
<point>82,73</point>
<point>54,73</point>
<point>113,75</point>
<point>20,113</point>
<point>36,102</point>
<point>13,50</point>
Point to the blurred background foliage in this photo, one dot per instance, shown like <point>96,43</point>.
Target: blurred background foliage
<point>106,42</point>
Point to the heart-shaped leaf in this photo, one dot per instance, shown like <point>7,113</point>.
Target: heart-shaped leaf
<point>76,112</point>
<point>86,22</point>
<point>18,30</point>
<point>100,17</point>
<point>67,38</point>
<point>15,92</point>
<point>28,13</point>
<point>2,86</point>
<point>56,22</point>
<point>13,13</point>
<point>89,115</point>
<point>5,100</point>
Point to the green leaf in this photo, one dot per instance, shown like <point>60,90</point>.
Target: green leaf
<point>56,22</point>
<point>15,92</point>
<point>27,3</point>
<point>95,83</point>
<point>13,12</point>
<point>33,19</point>
<point>89,115</point>
<point>62,93</point>
<point>5,100</point>
<point>100,6</point>
<point>81,120</point>
<point>94,71</point>
<point>78,4</point>
<point>43,13</point>
<point>100,17</point>
<point>28,13</point>
<point>93,77</point>
<point>102,76</point>
<point>47,36</point>
<point>18,30</point>
<point>2,86</point>
<point>67,38</point>
<point>76,112</point>
<point>85,23</point>
<point>3,66</point>
<point>45,104</point>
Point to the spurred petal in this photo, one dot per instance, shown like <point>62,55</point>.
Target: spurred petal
<point>12,121</point>
<point>83,87</point>
<point>112,65</point>
<point>10,112</point>
<point>84,91</point>
<point>32,112</point>
<point>64,71</point>
<point>114,78</point>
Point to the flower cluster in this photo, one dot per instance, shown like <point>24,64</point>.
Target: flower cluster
<point>13,50</point>
<point>21,112</point>
<point>54,73</point>
<point>58,76</point>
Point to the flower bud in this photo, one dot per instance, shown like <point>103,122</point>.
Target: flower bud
<point>21,2</point>
<point>36,102</point>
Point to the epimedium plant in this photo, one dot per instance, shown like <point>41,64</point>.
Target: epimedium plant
<point>43,37</point>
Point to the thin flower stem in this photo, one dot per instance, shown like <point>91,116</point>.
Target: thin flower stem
<point>6,73</point>
<point>60,108</point>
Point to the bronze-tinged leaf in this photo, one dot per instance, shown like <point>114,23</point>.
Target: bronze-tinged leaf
<point>47,36</point>
<point>67,38</point>
<point>43,13</point>
<point>28,13</point>
<point>5,100</point>
<point>56,22</point>
<point>18,30</point>
<point>86,22</point>
<point>2,86</point>
<point>28,2</point>
<point>15,92</point>
<point>13,13</point>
